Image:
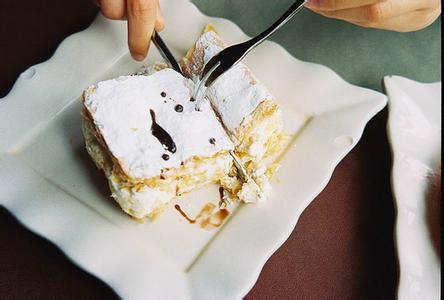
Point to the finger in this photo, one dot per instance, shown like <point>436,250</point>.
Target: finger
<point>375,13</point>
<point>113,9</point>
<point>160,24</point>
<point>413,21</point>
<point>332,5</point>
<point>141,16</point>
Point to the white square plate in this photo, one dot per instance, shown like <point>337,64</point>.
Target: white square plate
<point>414,130</point>
<point>50,184</point>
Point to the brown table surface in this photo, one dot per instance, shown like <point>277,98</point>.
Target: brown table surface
<point>342,247</point>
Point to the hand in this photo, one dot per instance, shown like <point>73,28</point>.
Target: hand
<point>397,15</point>
<point>144,16</point>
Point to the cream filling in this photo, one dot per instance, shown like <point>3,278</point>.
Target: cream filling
<point>140,204</point>
<point>140,199</point>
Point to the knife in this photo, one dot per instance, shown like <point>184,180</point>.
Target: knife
<point>165,52</point>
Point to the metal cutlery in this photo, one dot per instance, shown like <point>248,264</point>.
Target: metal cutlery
<point>232,55</point>
<point>165,52</point>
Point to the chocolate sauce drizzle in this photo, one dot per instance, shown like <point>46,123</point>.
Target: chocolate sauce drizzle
<point>178,108</point>
<point>163,136</point>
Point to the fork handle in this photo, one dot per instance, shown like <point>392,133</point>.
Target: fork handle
<point>296,7</point>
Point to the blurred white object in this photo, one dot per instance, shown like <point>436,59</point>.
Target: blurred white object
<point>414,129</point>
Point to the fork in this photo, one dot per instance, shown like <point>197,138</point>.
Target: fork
<point>232,55</point>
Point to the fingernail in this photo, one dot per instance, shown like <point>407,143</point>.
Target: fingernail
<point>138,57</point>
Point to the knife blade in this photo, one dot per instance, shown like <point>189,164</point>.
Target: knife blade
<point>166,53</point>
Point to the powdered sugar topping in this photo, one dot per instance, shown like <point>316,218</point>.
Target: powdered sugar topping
<point>237,93</point>
<point>121,112</point>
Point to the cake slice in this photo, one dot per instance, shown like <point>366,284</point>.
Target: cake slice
<point>247,110</point>
<point>151,142</point>
<point>145,132</point>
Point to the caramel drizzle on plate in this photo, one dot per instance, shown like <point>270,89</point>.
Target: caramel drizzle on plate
<point>208,217</point>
